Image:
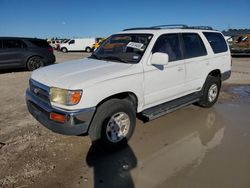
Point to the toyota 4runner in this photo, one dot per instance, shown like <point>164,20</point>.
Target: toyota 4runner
<point>147,71</point>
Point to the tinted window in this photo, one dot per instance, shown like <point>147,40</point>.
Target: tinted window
<point>193,45</point>
<point>216,41</point>
<point>39,43</point>
<point>170,45</point>
<point>72,42</point>
<point>11,43</point>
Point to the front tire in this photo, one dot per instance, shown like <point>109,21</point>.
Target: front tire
<point>211,92</point>
<point>113,123</point>
<point>64,50</point>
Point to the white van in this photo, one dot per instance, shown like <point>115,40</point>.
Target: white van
<point>84,44</point>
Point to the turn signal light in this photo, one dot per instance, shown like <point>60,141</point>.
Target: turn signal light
<point>57,117</point>
<point>75,97</point>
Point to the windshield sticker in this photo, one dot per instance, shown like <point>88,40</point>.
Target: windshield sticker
<point>135,57</point>
<point>135,45</point>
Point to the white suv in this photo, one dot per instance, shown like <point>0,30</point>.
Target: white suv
<point>140,71</point>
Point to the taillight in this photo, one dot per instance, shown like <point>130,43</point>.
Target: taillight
<point>50,49</point>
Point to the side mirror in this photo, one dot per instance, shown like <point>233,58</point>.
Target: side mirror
<point>159,58</point>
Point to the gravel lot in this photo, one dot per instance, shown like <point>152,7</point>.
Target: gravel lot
<point>32,156</point>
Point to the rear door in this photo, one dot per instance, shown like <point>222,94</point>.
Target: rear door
<point>12,53</point>
<point>196,60</point>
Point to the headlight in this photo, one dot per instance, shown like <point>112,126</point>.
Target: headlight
<point>64,96</point>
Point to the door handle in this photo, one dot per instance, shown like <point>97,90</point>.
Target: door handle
<point>180,69</point>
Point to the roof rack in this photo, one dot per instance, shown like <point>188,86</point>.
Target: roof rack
<point>141,28</point>
<point>200,27</point>
<point>172,26</point>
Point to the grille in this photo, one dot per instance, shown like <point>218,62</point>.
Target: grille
<point>39,90</point>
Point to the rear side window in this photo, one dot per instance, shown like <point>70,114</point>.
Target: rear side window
<point>12,43</point>
<point>216,41</point>
<point>193,45</point>
<point>39,43</point>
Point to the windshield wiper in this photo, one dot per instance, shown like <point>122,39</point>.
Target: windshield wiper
<point>115,58</point>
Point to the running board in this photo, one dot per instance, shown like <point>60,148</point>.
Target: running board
<point>165,108</point>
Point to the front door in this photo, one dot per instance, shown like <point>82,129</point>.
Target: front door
<point>165,83</point>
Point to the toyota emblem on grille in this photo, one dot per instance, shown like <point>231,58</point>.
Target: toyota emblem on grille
<point>36,90</point>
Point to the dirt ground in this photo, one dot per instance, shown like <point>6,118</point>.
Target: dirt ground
<point>191,147</point>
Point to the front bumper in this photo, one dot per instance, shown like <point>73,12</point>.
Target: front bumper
<point>77,121</point>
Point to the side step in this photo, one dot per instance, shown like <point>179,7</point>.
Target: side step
<point>162,109</point>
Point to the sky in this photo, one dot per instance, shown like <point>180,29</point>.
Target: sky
<point>101,18</point>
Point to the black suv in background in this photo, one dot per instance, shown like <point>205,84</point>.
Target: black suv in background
<point>30,53</point>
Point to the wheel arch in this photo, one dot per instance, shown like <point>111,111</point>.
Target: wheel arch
<point>215,73</point>
<point>123,95</point>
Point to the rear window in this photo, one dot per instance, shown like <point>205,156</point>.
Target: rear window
<point>39,43</point>
<point>193,45</point>
<point>216,41</point>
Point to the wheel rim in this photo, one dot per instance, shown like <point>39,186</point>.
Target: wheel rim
<point>117,127</point>
<point>212,92</point>
<point>35,63</point>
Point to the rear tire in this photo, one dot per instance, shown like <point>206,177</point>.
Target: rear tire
<point>34,62</point>
<point>211,92</point>
<point>88,49</point>
<point>64,50</point>
<point>113,123</point>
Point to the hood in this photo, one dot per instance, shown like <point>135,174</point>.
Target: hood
<point>80,73</point>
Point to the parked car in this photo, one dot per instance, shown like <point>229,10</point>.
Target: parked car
<point>140,71</point>
<point>84,44</point>
<point>98,42</point>
<point>31,53</point>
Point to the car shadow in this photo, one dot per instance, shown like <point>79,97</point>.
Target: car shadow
<point>111,167</point>
<point>4,71</point>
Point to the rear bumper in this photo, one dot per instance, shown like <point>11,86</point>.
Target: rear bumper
<point>226,75</point>
<point>50,60</point>
<point>77,121</point>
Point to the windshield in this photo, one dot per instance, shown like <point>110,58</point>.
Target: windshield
<point>126,48</point>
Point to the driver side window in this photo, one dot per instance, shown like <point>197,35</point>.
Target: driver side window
<point>170,45</point>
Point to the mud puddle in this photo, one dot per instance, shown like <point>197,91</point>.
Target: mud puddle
<point>191,147</point>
